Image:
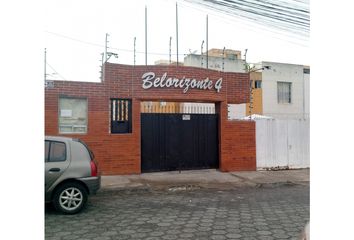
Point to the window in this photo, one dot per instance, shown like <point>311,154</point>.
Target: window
<point>258,84</point>
<point>46,151</point>
<point>54,151</point>
<point>232,56</point>
<point>121,113</point>
<point>307,70</point>
<point>72,115</point>
<point>284,92</point>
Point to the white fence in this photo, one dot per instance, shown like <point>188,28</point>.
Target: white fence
<point>283,143</point>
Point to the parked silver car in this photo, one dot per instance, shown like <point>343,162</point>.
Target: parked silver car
<point>71,173</point>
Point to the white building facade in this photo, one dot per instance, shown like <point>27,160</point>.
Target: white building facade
<point>229,61</point>
<point>285,90</point>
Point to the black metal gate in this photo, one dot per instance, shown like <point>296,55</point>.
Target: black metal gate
<point>179,141</point>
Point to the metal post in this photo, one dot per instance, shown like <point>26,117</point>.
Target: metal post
<point>177,30</point>
<point>251,97</point>
<point>145,35</point>
<point>170,50</point>
<point>207,64</point>
<point>45,64</point>
<point>201,52</point>
<point>248,70</point>
<point>223,58</point>
<point>105,48</point>
<point>102,61</point>
<point>245,55</point>
<point>134,50</point>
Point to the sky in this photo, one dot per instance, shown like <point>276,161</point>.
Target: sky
<point>74,35</point>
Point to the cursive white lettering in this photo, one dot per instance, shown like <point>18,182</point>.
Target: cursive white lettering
<point>147,77</point>
<point>150,80</point>
<point>218,84</point>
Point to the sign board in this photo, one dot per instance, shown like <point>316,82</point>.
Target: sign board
<point>49,84</point>
<point>186,117</point>
<point>66,113</point>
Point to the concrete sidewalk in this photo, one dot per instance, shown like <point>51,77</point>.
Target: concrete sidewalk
<point>210,178</point>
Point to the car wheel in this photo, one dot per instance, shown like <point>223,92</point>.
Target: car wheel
<point>70,198</point>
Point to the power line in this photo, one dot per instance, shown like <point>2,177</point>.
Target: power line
<point>289,16</point>
<point>55,71</point>
<point>103,46</point>
<point>289,37</point>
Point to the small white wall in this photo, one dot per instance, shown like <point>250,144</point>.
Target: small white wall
<point>282,143</point>
<point>236,111</point>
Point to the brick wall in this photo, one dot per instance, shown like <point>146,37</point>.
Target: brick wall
<point>120,153</point>
<point>237,143</point>
<point>238,151</point>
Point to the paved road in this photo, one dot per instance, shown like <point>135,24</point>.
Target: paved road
<point>245,213</point>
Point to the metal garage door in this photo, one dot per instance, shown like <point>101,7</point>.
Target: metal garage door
<point>174,141</point>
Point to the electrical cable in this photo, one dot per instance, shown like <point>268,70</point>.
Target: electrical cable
<point>290,16</point>
<point>55,71</point>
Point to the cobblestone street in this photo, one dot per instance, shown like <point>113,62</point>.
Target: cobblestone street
<point>277,212</point>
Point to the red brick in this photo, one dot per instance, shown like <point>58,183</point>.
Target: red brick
<point>120,153</point>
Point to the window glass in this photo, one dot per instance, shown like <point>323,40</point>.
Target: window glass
<point>46,151</point>
<point>284,92</point>
<point>307,70</point>
<point>258,84</point>
<point>72,115</point>
<point>57,152</point>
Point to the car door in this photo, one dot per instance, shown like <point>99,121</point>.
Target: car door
<point>57,160</point>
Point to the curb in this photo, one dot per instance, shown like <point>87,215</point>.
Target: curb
<point>147,188</point>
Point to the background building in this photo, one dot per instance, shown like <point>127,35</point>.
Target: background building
<point>285,90</point>
<point>278,90</point>
<point>218,59</point>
